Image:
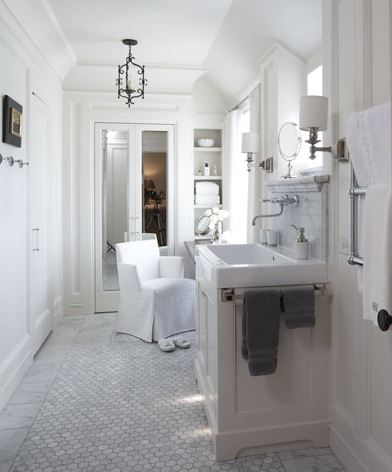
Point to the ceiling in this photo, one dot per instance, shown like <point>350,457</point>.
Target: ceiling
<point>179,40</point>
<point>251,28</point>
<point>170,32</point>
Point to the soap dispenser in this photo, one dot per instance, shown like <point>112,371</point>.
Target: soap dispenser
<point>301,246</point>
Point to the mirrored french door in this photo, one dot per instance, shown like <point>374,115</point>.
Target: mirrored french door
<point>133,197</point>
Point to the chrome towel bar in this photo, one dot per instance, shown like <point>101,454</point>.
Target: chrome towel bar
<point>230,295</point>
<point>354,193</point>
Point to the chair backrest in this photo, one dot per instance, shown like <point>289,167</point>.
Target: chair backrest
<point>143,254</point>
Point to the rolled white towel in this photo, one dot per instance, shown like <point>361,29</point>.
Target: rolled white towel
<point>207,188</point>
<point>207,200</point>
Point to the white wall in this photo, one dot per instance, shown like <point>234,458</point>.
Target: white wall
<point>356,40</point>
<point>22,68</point>
<point>283,82</point>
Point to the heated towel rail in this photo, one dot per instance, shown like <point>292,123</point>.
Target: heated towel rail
<point>355,191</point>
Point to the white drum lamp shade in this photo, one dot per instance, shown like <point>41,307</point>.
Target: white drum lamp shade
<point>250,142</point>
<point>313,112</point>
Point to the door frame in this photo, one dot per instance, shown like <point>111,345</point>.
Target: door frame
<point>108,301</point>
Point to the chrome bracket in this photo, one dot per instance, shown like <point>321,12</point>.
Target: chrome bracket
<point>227,294</point>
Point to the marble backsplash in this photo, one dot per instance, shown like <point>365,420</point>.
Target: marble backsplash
<point>311,213</point>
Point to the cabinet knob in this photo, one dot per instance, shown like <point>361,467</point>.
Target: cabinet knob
<point>384,320</point>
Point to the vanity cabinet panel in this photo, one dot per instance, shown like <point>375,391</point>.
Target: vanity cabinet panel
<point>206,360</point>
<point>288,409</point>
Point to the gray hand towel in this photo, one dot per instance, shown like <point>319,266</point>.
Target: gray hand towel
<point>260,330</point>
<point>298,306</point>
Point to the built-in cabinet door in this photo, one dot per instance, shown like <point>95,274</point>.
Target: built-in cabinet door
<point>39,219</point>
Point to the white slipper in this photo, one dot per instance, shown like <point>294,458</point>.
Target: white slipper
<point>181,342</point>
<point>166,345</point>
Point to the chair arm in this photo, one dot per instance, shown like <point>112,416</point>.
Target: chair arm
<point>129,278</point>
<point>171,266</point>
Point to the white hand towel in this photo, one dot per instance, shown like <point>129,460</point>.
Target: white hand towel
<point>207,200</point>
<point>207,188</point>
<point>377,247</point>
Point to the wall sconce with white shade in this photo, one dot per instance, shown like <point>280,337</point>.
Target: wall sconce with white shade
<point>250,147</point>
<point>313,117</point>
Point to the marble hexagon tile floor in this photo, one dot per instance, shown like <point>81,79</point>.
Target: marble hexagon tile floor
<point>98,401</point>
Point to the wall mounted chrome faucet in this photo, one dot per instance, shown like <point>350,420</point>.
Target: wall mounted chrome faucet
<point>283,201</point>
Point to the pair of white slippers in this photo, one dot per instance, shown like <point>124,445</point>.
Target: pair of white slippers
<point>168,345</point>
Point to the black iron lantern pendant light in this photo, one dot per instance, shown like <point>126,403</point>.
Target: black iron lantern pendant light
<point>130,81</point>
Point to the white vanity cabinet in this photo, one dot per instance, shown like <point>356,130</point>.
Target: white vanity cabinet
<point>247,415</point>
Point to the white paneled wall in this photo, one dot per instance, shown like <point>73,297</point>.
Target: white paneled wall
<point>23,70</point>
<point>357,75</point>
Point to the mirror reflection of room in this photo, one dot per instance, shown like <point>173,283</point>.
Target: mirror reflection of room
<point>154,149</point>
<point>114,202</point>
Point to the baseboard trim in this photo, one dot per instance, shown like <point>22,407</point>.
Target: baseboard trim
<point>272,439</point>
<point>14,368</point>
<point>356,454</point>
<point>345,453</point>
<point>58,310</point>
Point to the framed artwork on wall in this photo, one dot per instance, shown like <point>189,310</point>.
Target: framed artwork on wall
<point>12,122</point>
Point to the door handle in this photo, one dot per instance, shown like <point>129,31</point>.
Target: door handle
<point>36,232</point>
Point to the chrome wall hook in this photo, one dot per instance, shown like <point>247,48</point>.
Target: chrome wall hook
<point>11,161</point>
<point>21,163</point>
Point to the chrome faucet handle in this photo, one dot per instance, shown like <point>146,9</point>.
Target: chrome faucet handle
<point>296,200</point>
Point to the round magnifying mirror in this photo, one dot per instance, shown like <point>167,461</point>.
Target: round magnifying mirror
<point>203,225</point>
<point>289,142</point>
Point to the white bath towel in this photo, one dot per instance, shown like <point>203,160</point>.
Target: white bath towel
<point>359,147</point>
<point>377,247</point>
<point>377,122</point>
<point>369,141</point>
<point>207,188</point>
<point>207,200</point>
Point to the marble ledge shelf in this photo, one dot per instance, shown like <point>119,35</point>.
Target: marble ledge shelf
<point>308,183</point>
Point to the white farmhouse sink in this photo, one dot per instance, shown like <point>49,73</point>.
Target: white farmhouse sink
<point>254,265</point>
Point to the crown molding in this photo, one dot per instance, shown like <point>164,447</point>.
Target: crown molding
<point>37,28</point>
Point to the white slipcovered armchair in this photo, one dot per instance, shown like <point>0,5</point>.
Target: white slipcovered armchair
<point>156,301</point>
